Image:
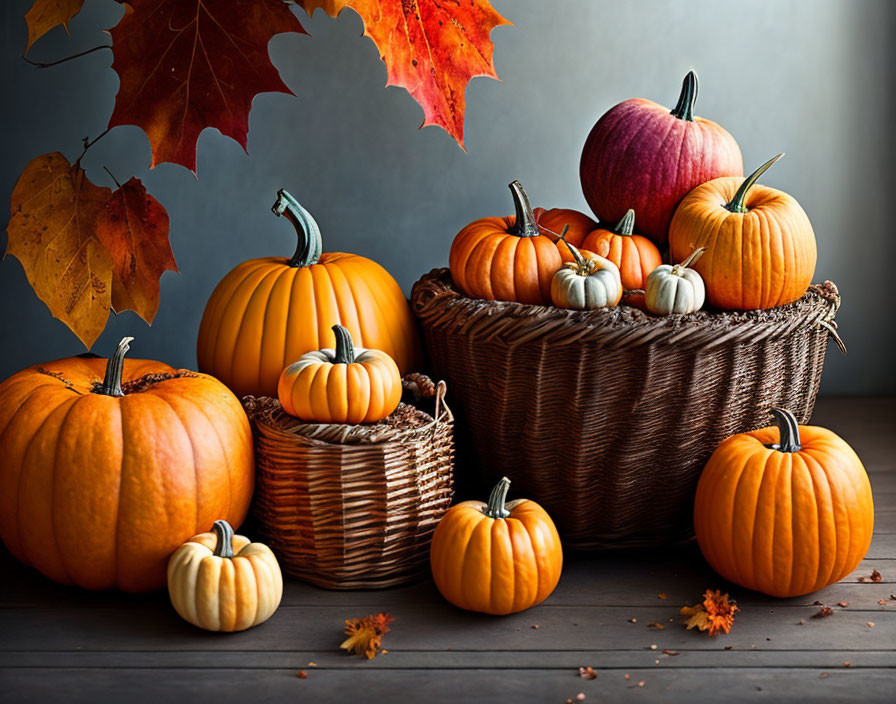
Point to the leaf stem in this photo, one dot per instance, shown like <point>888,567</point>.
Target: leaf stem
<point>88,143</point>
<point>47,64</point>
<point>106,169</point>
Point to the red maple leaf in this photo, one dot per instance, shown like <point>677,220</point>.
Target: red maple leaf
<point>431,47</point>
<point>186,65</point>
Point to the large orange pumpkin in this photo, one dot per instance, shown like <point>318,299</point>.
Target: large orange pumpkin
<point>760,246</point>
<point>268,312</point>
<point>506,258</point>
<point>784,510</point>
<point>496,558</point>
<point>105,468</point>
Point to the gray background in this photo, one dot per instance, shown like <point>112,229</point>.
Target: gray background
<point>808,77</point>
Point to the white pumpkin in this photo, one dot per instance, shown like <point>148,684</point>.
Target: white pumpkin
<point>589,281</point>
<point>675,288</point>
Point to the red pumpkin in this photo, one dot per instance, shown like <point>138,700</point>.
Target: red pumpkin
<point>640,155</point>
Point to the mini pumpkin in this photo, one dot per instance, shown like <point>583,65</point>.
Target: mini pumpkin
<point>785,510</point>
<point>761,245</point>
<point>222,582</point>
<point>496,558</point>
<point>506,259</point>
<point>635,255</point>
<point>345,385</point>
<point>587,282</point>
<point>552,221</point>
<point>675,288</point>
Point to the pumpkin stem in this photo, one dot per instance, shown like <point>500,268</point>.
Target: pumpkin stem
<point>692,258</point>
<point>224,536</point>
<point>789,429</point>
<point>626,226</point>
<point>584,267</point>
<point>525,225</point>
<point>495,507</point>
<point>684,108</point>
<point>114,367</point>
<point>345,348</point>
<point>310,244</point>
<point>737,203</point>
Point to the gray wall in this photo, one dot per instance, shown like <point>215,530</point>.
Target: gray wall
<point>808,77</point>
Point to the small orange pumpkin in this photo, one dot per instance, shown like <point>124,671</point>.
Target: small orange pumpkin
<point>496,558</point>
<point>784,511</point>
<point>761,249</point>
<point>554,220</point>
<point>506,259</point>
<point>345,385</point>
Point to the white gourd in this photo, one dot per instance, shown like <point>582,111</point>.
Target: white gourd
<point>675,288</point>
<point>586,283</point>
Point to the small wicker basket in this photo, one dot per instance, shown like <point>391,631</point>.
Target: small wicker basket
<point>352,507</point>
<point>607,417</point>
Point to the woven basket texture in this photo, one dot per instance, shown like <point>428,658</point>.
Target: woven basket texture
<point>607,417</point>
<point>351,507</point>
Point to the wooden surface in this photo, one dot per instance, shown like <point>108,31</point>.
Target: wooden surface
<point>63,645</point>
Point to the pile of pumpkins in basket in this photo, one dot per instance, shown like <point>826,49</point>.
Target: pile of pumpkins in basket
<point>108,467</point>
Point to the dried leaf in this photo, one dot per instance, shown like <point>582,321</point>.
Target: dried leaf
<point>46,14</point>
<point>432,49</point>
<point>847,663</point>
<point>843,604</point>
<point>365,635</point>
<point>302,675</point>
<point>823,612</point>
<point>185,65</point>
<point>133,228</point>
<point>633,620</point>
<point>870,624</point>
<point>587,673</point>
<point>658,626</point>
<point>875,576</point>
<point>714,614</point>
<point>823,676</point>
<point>667,651</point>
<point>661,596</point>
<point>580,697</point>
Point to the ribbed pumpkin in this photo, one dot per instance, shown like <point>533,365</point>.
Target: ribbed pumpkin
<point>107,467</point>
<point>785,510</point>
<point>761,249</point>
<point>554,220</point>
<point>222,582</point>
<point>634,255</point>
<point>496,558</point>
<point>506,259</point>
<point>586,283</point>
<point>675,288</point>
<point>345,385</point>
<point>642,155</point>
<point>268,312</point>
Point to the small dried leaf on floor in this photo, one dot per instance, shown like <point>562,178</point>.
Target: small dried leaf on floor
<point>729,647</point>
<point>801,622</point>
<point>847,663</point>
<point>587,673</point>
<point>633,620</point>
<point>627,676</point>
<point>302,675</point>
<point>580,697</point>
<point>823,676</point>
<point>667,651</point>
<point>823,612</point>
<point>312,664</point>
<point>870,624</point>
<point>535,626</point>
<point>875,576</point>
<point>817,603</point>
<point>641,683</point>
<point>843,604</point>
<point>661,595</point>
<point>654,646</point>
<point>657,626</point>
<point>714,614</point>
<point>365,635</point>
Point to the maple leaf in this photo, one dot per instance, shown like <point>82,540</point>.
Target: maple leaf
<point>185,65</point>
<point>133,227</point>
<point>51,232</point>
<point>46,14</point>
<point>714,614</point>
<point>365,635</point>
<point>432,49</point>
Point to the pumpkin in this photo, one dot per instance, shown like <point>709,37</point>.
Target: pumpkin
<point>496,558</point>
<point>588,282</point>
<point>222,582</point>
<point>635,255</point>
<point>761,246</point>
<point>268,312</point>
<point>506,259</point>
<point>642,155</point>
<point>785,510</point>
<point>108,466</point>
<point>345,385</point>
<point>675,288</point>
<point>552,221</point>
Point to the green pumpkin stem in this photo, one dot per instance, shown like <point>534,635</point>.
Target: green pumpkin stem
<point>495,507</point>
<point>737,203</point>
<point>114,367</point>
<point>789,429</point>
<point>684,108</point>
<point>345,348</point>
<point>310,244</point>
<point>626,226</point>
<point>525,225</point>
<point>224,539</point>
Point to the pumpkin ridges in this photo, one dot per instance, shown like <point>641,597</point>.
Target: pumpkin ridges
<point>523,558</point>
<point>273,321</point>
<point>830,553</point>
<point>502,588</point>
<point>476,567</point>
<point>804,524</point>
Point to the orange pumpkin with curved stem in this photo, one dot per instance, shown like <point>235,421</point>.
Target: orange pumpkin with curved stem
<point>785,510</point>
<point>506,259</point>
<point>496,558</point>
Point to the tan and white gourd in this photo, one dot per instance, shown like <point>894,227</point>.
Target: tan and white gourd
<point>675,288</point>
<point>223,582</point>
<point>588,282</point>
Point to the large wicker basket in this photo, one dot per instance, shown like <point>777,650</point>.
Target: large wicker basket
<point>352,507</point>
<point>607,417</point>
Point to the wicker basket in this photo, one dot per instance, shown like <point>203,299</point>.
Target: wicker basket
<point>607,417</point>
<point>352,507</point>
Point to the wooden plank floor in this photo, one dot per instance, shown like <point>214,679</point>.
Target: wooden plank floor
<point>63,645</point>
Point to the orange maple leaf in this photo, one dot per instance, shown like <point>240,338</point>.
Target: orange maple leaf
<point>46,14</point>
<point>186,65</point>
<point>715,614</point>
<point>365,635</point>
<point>432,49</point>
